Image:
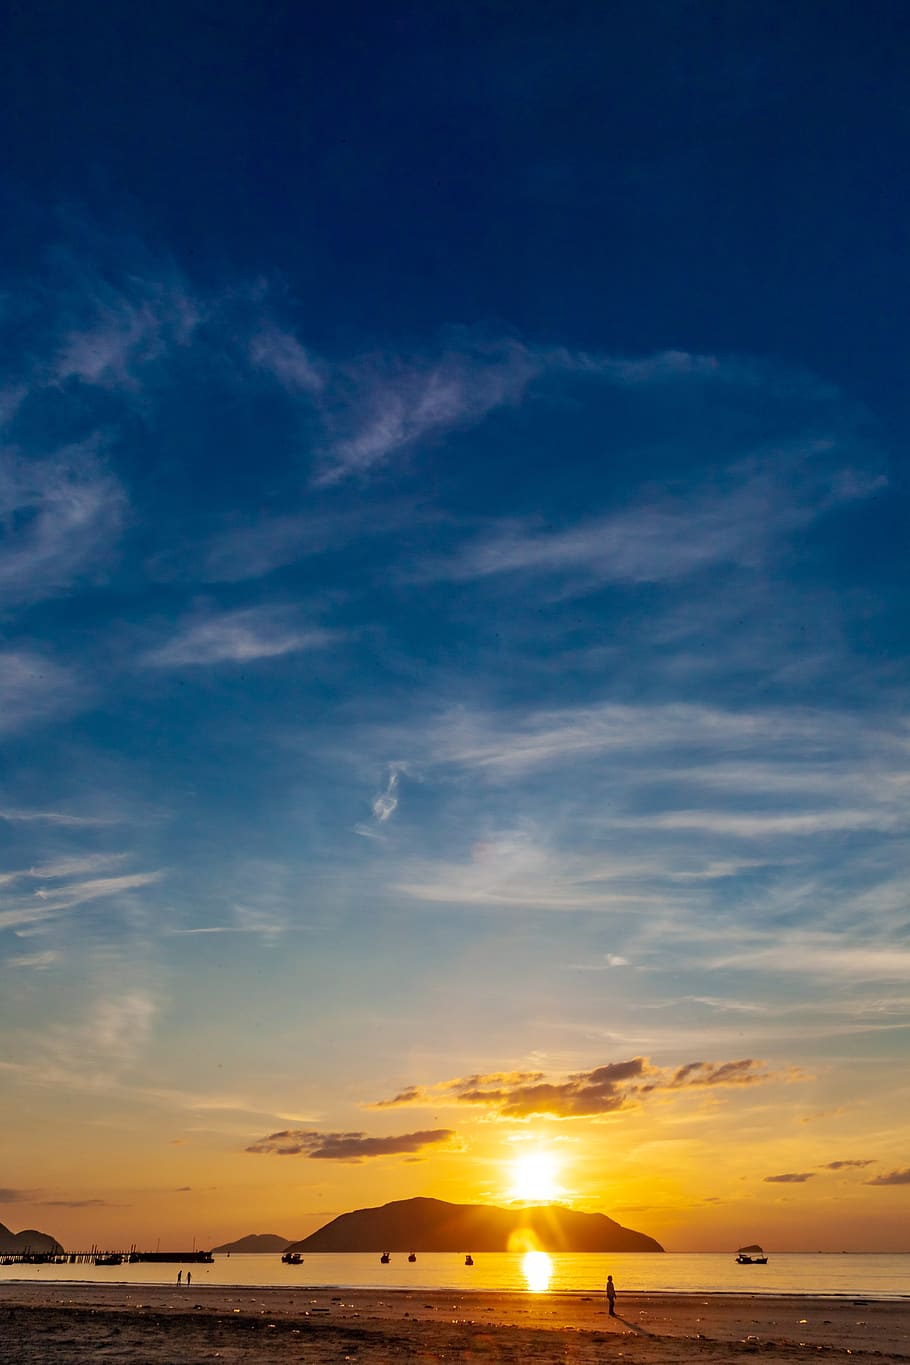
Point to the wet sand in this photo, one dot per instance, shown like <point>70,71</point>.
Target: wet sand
<point>61,1324</point>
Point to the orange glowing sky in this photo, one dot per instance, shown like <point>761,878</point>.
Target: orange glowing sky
<point>454,656</point>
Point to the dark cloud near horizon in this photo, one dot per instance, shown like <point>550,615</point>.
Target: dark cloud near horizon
<point>348,1146</point>
<point>9,1196</point>
<point>80,1204</point>
<point>604,1090</point>
<point>892,1178</point>
<point>844,1165</point>
<point>790,1178</point>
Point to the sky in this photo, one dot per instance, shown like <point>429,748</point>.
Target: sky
<point>453,601</point>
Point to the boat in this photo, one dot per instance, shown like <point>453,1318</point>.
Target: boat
<point>292,1258</point>
<point>469,1260</point>
<point>386,1257</point>
<point>752,1255</point>
<point>413,1256</point>
<point>112,1259</point>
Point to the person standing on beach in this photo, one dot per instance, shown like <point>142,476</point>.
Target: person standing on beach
<point>179,1276</point>
<point>611,1296</point>
<point>189,1278</point>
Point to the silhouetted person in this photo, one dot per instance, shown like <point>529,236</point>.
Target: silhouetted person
<point>189,1278</point>
<point>611,1296</point>
<point>180,1277</point>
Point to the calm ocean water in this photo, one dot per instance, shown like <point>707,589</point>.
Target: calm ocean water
<point>870,1276</point>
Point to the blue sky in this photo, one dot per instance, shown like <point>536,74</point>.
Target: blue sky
<point>453,576</point>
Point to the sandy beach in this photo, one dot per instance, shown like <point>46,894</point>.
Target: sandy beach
<point>60,1324</point>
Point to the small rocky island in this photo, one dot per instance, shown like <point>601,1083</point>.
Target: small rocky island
<point>434,1225</point>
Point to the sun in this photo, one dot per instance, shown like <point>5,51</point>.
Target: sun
<point>535,1177</point>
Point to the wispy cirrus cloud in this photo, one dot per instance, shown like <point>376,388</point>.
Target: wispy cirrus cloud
<point>116,329</point>
<point>761,824</point>
<point>93,1048</point>
<point>847,1165</point>
<point>789,1178</point>
<point>75,865</point>
<point>353,1147</point>
<point>38,962</point>
<point>108,1040</point>
<point>901,1177</point>
<point>823,955</point>
<point>46,903</point>
<point>96,888</point>
<point>256,549</point>
<point>238,637</point>
<point>671,815</point>
<point>724,773</point>
<point>381,406</point>
<point>374,408</point>
<point>61,517</point>
<point>11,398</point>
<point>603,1090</point>
<point>512,869</point>
<point>377,407</point>
<point>734,519</point>
<point>34,689</point>
<point>506,745</point>
<point>67,819</point>
<point>281,354</point>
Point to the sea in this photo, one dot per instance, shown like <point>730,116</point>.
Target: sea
<point>847,1275</point>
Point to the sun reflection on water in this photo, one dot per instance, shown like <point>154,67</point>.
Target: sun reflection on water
<point>537,1269</point>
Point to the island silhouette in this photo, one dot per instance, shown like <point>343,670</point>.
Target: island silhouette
<point>433,1225</point>
<point>29,1240</point>
<point>255,1242</point>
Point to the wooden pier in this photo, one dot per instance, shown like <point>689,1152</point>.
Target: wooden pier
<point>98,1256</point>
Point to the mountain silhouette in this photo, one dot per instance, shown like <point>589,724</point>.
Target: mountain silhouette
<point>433,1225</point>
<point>256,1241</point>
<point>17,1243</point>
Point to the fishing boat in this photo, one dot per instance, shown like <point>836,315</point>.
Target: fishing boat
<point>413,1256</point>
<point>752,1255</point>
<point>112,1259</point>
<point>469,1259</point>
<point>385,1257</point>
<point>292,1258</point>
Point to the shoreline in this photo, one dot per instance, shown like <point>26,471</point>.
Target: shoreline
<point>62,1323</point>
<point>133,1288</point>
